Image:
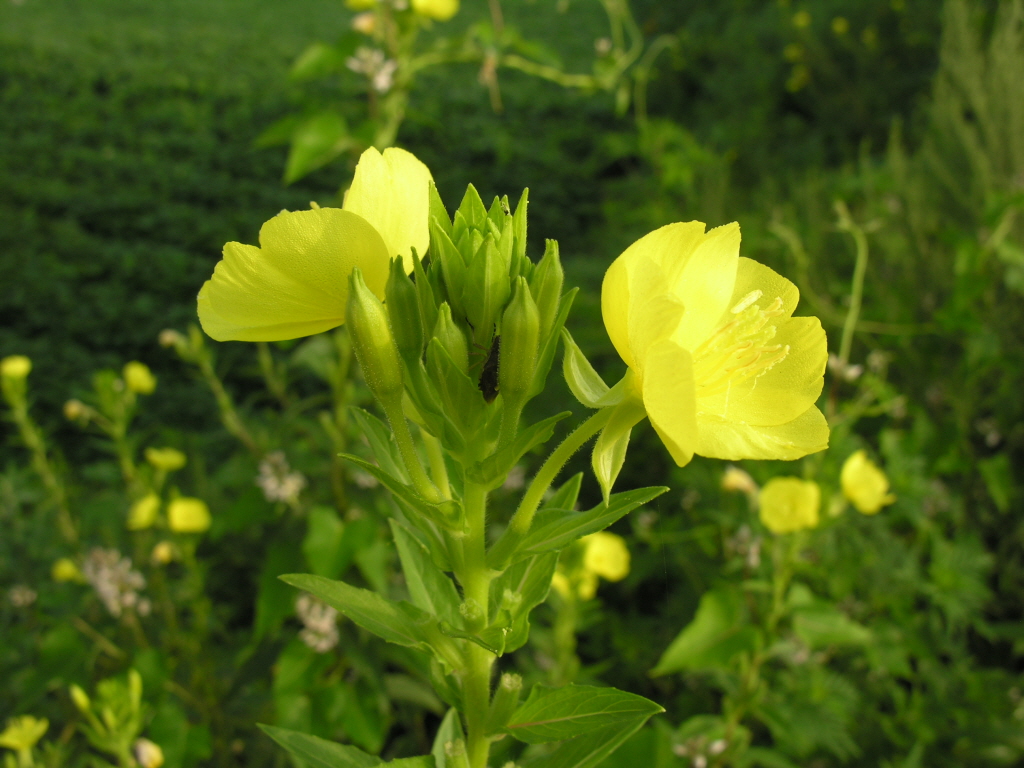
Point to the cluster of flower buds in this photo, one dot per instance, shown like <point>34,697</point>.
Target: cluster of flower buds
<point>471,334</point>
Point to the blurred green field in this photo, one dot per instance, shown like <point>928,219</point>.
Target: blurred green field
<point>128,157</point>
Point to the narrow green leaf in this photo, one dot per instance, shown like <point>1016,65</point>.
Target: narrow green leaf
<point>423,761</point>
<point>719,631</point>
<point>324,544</point>
<point>592,749</point>
<point>430,589</point>
<point>557,528</point>
<point>398,623</point>
<point>520,589</point>
<point>452,264</point>
<point>610,449</point>
<point>447,514</point>
<point>317,60</point>
<point>439,212</point>
<point>554,714</point>
<point>565,497</point>
<point>450,730</point>
<point>379,436</point>
<point>584,382</point>
<point>320,753</point>
<point>493,470</point>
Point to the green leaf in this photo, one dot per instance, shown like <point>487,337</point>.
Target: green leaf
<point>423,761</point>
<point>566,496</point>
<point>998,477</point>
<point>275,601</point>
<point>379,436</point>
<point>822,625</point>
<point>317,60</point>
<point>446,514</point>
<point>610,449</point>
<point>450,730</point>
<point>493,470</point>
<point>763,757</point>
<point>517,591</point>
<point>557,528</point>
<point>554,714</point>
<point>320,753</point>
<point>429,588</point>
<point>584,382</point>
<point>315,142</point>
<point>398,623</point>
<point>324,544</point>
<point>590,750</point>
<point>718,632</point>
<point>438,211</point>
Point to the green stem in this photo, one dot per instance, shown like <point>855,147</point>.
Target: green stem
<point>860,240</point>
<point>523,517</point>
<point>475,578</point>
<point>400,428</point>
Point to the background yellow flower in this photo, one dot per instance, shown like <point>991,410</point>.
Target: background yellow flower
<point>790,504</point>
<point>864,484</point>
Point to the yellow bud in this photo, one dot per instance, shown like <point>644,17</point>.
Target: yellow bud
<point>606,555</point>
<point>138,378</point>
<point>187,515</point>
<point>167,459</point>
<point>81,699</point>
<point>143,512</point>
<point>148,754</point>
<point>15,367</point>
<point>439,10</point>
<point>587,586</point>
<point>864,484</point>
<point>163,553</point>
<point>75,410</point>
<point>790,504</point>
<point>66,570</point>
<point>365,23</point>
<point>23,732</point>
<point>735,479</point>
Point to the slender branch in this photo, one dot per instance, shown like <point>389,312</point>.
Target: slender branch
<point>847,224</point>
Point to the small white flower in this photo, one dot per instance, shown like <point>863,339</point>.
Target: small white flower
<point>114,580</point>
<point>21,596</point>
<point>277,481</point>
<point>320,622</point>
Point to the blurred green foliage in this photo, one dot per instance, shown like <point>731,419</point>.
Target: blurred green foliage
<point>127,160</point>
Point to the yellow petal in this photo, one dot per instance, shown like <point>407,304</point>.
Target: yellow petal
<point>668,393</point>
<point>784,391</point>
<point>754,276</point>
<point>721,439</point>
<point>440,10</point>
<point>865,484</point>
<point>606,555</point>
<point>188,515</point>
<point>391,191</point>
<point>296,283</point>
<point>704,282</point>
<point>615,308</point>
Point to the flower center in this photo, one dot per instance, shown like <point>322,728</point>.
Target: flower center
<point>739,349</point>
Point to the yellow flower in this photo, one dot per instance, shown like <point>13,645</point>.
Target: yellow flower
<point>360,5</point>
<point>790,504</point>
<point>441,10</point>
<point>586,585</point>
<point>561,584</point>
<point>606,555</point>
<point>187,515</point>
<point>15,367</point>
<point>865,484</point>
<point>143,512</point>
<point>721,366</point>
<point>65,569</point>
<point>735,479</point>
<point>296,283</point>
<point>167,459</point>
<point>23,732</point>
<point>138,378</point>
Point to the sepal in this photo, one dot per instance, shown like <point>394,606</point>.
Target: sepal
<point>610,449</point>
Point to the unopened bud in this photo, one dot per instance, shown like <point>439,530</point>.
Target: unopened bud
<point>81,699</point>
<point>148,754</point>
<point>404,312</point>
<point>373,341</point>
<point>75,410</point>
<point>166,459</point>
<point>138,378</point>
<point>546,287</point>
<point>188,515</point>
<point>506,699</point>
<point>143,513</point>
<point>451,338</point>
<point>520,338</point>
<point>15,367</point>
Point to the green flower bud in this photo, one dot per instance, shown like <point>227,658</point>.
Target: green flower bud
<point>452,338</point>
<point>80,698</point>
<point>404,311</point>
<point>373,341</point>
<point>487,290</point>
<point>546,286</point>
<point>505,701</point>
<point>427,299</point>
<point>520,340</point>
